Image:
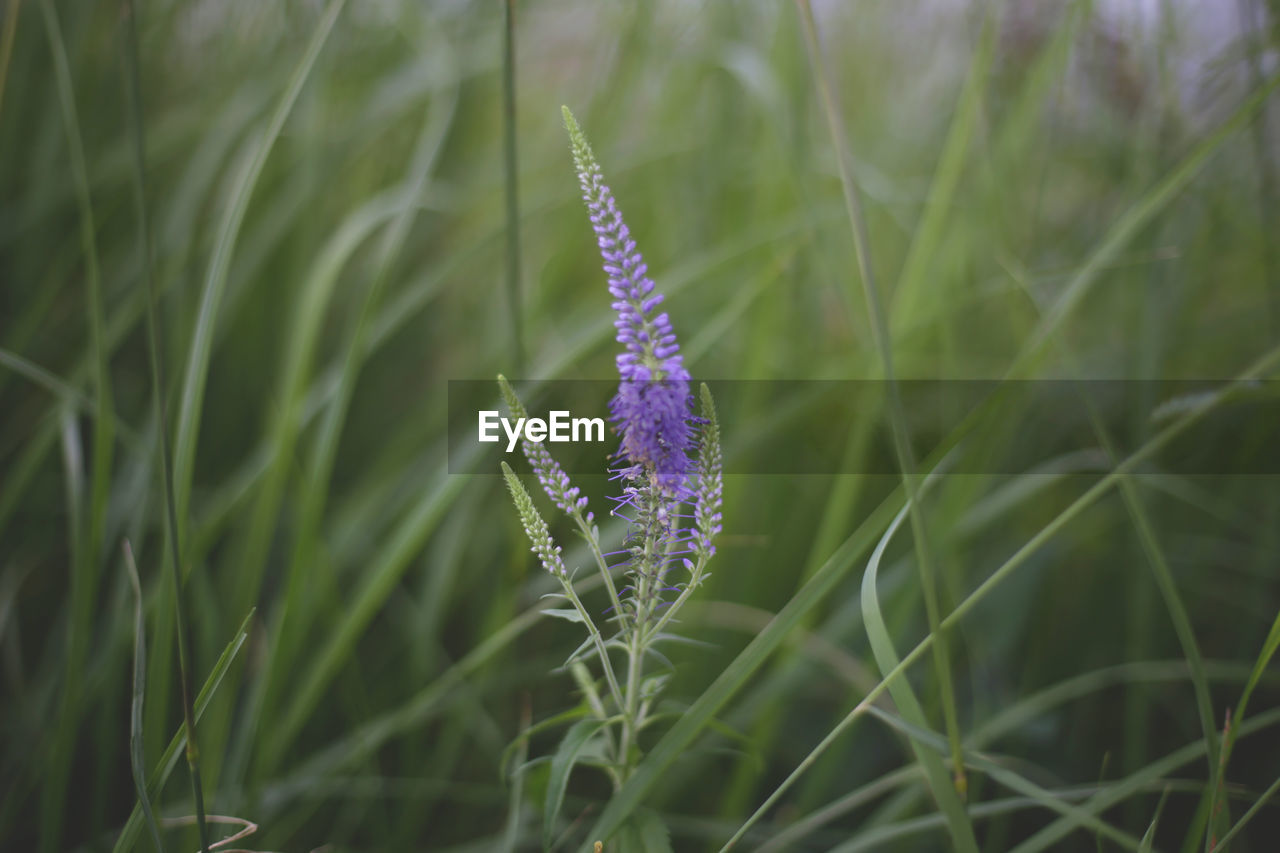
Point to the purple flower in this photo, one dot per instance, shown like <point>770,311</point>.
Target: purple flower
<point>653,406</point>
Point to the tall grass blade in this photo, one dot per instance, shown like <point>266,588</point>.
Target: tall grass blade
<point>228,232</point>
<point>1263,367</point>
<point>133,96</point>
<point>137,761</point>
<point>6,43</point>
<point>169,759</point>
<point>511,171</point>
<point>882,333</point>
<point>87,559</point>
<point>1081,818</point>
<point>677,739</point>
<point>383,575</point>
<point>961,831</point>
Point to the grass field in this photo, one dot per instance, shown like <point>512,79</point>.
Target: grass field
<point>245,246</point>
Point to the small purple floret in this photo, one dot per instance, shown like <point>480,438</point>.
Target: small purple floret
<point>653,406</point>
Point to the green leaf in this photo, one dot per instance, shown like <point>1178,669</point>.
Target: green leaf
<point>233,216</point>
<point>944,791</point>
<point>567,615</point>
<point>137,760</point>
<point>676,741</point>
<point>129,835</point>
<point>575,740</point>
<point>645,832</point>
<point>1149,837</point>
<point>541,726</point>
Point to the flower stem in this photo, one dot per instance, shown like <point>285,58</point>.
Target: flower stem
<point>694,579</point>
<point>594,544</point>
<point>598,640</point>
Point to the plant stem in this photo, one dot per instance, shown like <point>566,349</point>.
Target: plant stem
<point>901,439</point>
<point>512,185</point>
<point>597,639</point>
<point>636,646</point>
<point>694,579</point>
<point>594,544</point>
<point>133,90</point>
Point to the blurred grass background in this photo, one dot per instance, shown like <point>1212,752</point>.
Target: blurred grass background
<point>1070,189</point>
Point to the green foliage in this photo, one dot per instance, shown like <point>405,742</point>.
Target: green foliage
<point>323,198</point>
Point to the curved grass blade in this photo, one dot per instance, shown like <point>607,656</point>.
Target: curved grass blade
<point>904,696</point>
<point>882,333</point>
<point>1149,837</point>
<point>137,761</point>
<point>1248,815</point>
<point>677,739</point>
<point>216,278</point>
<point>1262,367</point>
<point>428,513</point>
<point>85,567</point>
<point>1269,647</point>
<point>1082,818</point>
<point>562,763</point>
<point>515,803</point>
<point>388,567</point>
<point>129,835</point>
<point>1154,772</point>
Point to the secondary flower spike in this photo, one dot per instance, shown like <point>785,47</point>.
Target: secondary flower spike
<point>652,408</point>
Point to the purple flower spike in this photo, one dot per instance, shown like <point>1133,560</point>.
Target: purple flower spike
<point>653,406</point>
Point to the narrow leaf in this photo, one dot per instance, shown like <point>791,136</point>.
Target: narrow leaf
<point>137,760</point>
<point>169,760</point>
<point>575,740</point>
<point>887,659</point>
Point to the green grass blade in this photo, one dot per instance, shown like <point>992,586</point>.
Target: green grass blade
<point>45,379</point>
<point>510,168</point>
<point>1079,817</point>
<point>430,142</point>
<point>1159,566</point>
<point>944,793</point>
<point>6,43</point>
<point>197,369</point>
<point>85,568</point>
<point>946,178</point>
<point>1149,837</point>
<point>169,759</point>
<point>1133,221</point>
<point>137,761</point>
<point>882,334</point>
<point>383,575</point>
<point>1153,773</point>
<point>1263,367</point>
<point>1249,814</point>
<point>562,763</point>
<point>674,743</point>
<point>515,803</point>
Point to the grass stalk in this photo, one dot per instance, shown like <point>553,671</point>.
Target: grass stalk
<point>137,757</point>
<point>897,416</point>
<point>511,172</point>
<point>133,98</point>
<point>1263,367</point>
<point>86,558</point>
<point>6,42</point>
